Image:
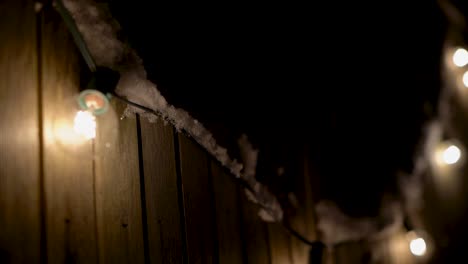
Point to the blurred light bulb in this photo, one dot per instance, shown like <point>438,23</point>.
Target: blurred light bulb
<point>460,57</point>
<point>84,124</point>
<point>451,155</point>
<point>465,79</point>
<point>80,119</point>
<point>418,246</point>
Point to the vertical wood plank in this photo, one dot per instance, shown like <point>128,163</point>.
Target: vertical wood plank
<point>19,134</point>
<point>118,199</point>
<point>227,216</point>
<point>279,244</point>
<point>304,219</point>
<point>198,203</point>
<point>68,164</point>
<point>254,232</point>
<point>398,251</point>
<point>163,217</point>
<point>299,250</point>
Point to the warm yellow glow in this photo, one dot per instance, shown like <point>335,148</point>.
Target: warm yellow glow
<point>84,124</point>
<point>65,134</point>
<point>418,246</point>
<point>465,79</point>
<point>460,57</point>
<point>451,155</point>
<point>447,154</point>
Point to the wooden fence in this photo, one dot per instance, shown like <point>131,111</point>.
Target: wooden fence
<point>141,194</point>
<point>138,193</point>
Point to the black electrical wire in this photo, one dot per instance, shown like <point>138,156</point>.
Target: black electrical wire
<point>239,180</point>
<point>83,48</point>
<point>144,108</point>
<point>292,231</point>
<point>285,224</point>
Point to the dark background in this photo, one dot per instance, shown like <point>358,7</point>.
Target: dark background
<point>351,82</point>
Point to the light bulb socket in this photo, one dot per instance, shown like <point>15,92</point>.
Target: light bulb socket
<point>93,101</point>
<point>95,98</point>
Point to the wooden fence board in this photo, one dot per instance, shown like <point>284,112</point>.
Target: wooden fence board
<point>227,216</point>
<point>279,244</point>
<point>254,233</point>
<point>304,219</point>
<point>198,202</point>
<point>165,237</point>
<point>118,198</point>
<point>19,134</point>
<point>68,165</point>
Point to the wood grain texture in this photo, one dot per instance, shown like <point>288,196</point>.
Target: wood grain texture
<point>228,219</point>
<point>279,244</point>
<point>118,199</point>
<point>19,134</point>
<point>68,163</point>
<point>254,233</point>
<point>304,219</point>
<point>299,250</point>
<point>161,187</point>
<point>198,202</point>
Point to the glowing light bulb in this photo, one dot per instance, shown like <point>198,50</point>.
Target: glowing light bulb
<point>451,155</point>
<point>418,246</point>
<point>460,57</point>
<point>465,79</point>
<point>84,124</point>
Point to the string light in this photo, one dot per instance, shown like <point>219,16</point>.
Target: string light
<point>465,79</point>
<point>451,155</point>
<point>418,246</point>
<point>78,122</point>
<point>93,101</point>
<point>84,124</point>
<point>91,105</point>
<point>460,57</point>
<point>448,153</point>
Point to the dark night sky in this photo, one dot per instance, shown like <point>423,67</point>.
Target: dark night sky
<point>350,80</point>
